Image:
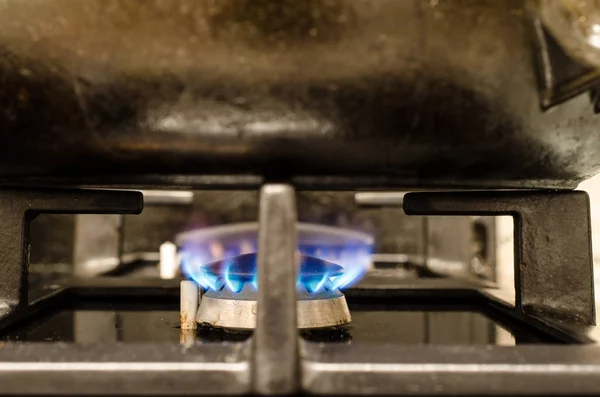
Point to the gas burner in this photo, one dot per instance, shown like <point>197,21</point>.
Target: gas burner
<point>232,300</point>
<point>347,248</point>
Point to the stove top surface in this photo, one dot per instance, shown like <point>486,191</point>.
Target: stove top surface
<point>374,321</point>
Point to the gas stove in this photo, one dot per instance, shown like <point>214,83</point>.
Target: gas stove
<point>332,197</point>
<point>284,306</point>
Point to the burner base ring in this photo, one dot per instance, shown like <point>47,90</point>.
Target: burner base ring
<point>241,314</point>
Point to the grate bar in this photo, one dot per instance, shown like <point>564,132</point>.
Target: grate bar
<point>275,359</point>
<point>553,253</point>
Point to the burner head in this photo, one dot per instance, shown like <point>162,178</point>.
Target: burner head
<point>323,310</point>
<point>231,302</point>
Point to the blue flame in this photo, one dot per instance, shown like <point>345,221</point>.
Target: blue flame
<point>316,285</point>
<point>234,284</point>
<point>354,260</point>
<point>191,267</point>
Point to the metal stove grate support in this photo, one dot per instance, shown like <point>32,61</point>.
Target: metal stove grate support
<point>18,207</point>
<point>553,254</point>
<point>275,359</point>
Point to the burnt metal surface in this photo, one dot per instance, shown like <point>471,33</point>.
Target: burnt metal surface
<point>19,206</point>
<point>553,254</point>
<point>275,360</point>
<point>329,92</point>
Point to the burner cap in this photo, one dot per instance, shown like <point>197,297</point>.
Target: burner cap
<point>328,310</point>
<point>233,301</point>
